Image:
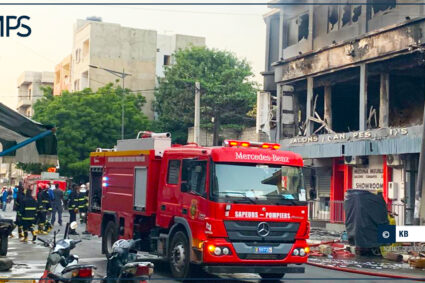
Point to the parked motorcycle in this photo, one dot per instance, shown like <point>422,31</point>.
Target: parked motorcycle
<point>6,227</point>
<point>123,265</point>
<point>62,266</point>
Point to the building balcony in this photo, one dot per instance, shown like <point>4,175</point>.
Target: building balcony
<point>24,103</point>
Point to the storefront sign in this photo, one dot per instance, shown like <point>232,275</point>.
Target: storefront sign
<point>370,177</point>
<point>353,136</point>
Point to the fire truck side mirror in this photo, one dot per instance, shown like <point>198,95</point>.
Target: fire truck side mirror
<point>184,187</point>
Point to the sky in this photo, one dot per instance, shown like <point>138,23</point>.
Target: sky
<point>239,29</point>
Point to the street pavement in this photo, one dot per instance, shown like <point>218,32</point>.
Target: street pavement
<point>29,260</point>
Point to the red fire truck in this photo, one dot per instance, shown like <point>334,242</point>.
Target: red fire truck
<point>49,178</point>
<point>240,208</point>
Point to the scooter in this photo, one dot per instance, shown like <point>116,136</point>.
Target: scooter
<point>62,266</point>
<point>123,265</point>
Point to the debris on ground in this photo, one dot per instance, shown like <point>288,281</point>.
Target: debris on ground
<point>5,264</point>
<point>329,248</point>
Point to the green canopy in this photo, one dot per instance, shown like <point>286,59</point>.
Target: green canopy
<point>16,128</point>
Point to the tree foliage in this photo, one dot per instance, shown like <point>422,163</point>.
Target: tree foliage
<point>227,93</point>
<point>86,120</point>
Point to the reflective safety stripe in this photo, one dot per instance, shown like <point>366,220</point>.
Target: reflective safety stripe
<point>45,201</point>
<point>28,218</point>
<point>30,208</point>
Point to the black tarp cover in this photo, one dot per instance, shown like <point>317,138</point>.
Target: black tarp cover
<point>15,128</point>
<point>364,211</point>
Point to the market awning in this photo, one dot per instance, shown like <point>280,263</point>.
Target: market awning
<point>16,128</point>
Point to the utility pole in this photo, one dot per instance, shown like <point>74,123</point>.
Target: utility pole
<point>122,76</point>
<point>420,177</point>
<point>196,126</point>
<point>122,106</point>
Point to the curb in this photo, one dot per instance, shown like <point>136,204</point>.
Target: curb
<point>370,273</point>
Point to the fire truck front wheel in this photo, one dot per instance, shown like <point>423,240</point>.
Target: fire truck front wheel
<point>179,255</point>
<point>272,275</point>
<point>109,237</point>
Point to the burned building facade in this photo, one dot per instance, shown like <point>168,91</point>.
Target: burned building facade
<point>344,87</point>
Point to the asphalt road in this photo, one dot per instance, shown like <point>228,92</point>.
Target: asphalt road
<point>29,259</point>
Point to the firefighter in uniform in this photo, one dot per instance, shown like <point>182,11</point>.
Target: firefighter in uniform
<point>18,203</point>
<point>73,203</point>
<point>44,205</point>
<point>28,209</point>
<point>83,203</point>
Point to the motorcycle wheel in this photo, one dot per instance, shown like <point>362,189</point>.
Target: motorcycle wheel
<point>4,244</point>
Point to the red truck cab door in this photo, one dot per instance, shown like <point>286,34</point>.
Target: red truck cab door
<point>168,202</point>
<point>184,193</point>
<point>194,194</point>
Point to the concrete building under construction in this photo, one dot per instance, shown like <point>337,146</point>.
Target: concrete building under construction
<point>344,87</point>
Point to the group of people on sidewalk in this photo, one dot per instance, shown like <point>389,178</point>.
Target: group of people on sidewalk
<point>6,196</point>
<point>35,209</point>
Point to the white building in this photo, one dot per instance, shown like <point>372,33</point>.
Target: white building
<point>29,91</point>
<point>138,52</point>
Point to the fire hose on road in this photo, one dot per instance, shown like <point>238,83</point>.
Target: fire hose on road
<point>369,273</point>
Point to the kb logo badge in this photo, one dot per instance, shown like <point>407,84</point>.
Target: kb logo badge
<point>386,234</point>
<point>10,25</point>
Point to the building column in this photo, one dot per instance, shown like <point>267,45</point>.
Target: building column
<point>328,106</point>
<point>309,106</point>
<point>311,27</point>
<point>384,100</point>
<point>363,98</point>
<point>288,113</point>
<point>263,112</point>
<point>278,113</point>
<point>281,33</point>
<point>268,63</point>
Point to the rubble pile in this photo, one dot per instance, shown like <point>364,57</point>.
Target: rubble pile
<point>331,248</point>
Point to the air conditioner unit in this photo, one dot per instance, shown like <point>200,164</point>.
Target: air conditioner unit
<point>392,190</point>
<point>394,160</point>
<point>354,160</point>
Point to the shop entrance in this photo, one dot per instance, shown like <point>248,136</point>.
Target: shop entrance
<point>340,182</point>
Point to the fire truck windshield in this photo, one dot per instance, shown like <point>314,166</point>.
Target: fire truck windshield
<point>255,183</point>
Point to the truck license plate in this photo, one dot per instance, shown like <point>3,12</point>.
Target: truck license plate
<point>263,250</point>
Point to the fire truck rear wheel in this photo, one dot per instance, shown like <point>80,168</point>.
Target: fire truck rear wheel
<point>272,275</point>
<point>109,237</point>
<point>179,255</point>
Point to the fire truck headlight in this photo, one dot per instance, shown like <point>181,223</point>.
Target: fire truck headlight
<point>302,252</point>
<point>296,252</point>
<point>226,251</point>
<point>217,251</point>
<point>307,250</point>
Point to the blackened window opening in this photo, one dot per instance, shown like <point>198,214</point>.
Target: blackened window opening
<point>345,106</point>
<point>382,5</point>
<point>303,27</point>
<point>333,18</point>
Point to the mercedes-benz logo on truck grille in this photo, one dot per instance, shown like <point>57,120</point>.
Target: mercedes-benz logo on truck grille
<point>263,229</point>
